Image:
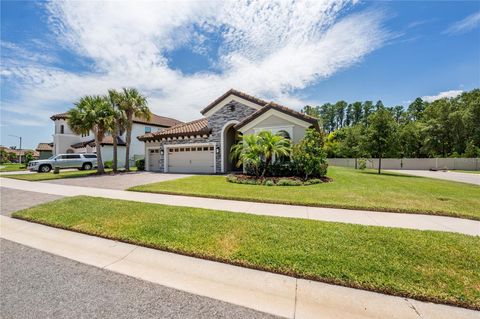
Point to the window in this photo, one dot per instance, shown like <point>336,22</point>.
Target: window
<point>148,129</point>
<point>90,156</point>
<point>284,134</point>
<point>62,129</point>
<point>205,148</point>
<point>232,107</point>
<point>76,156</point>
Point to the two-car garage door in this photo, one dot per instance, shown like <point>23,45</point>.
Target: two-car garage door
<point>193,159</point>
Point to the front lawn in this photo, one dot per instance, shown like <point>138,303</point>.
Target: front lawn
<point>353,189</point>
<point>426,265</point>
<point>63,174</point>
<point>11,167</point>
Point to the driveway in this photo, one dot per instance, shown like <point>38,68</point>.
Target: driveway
<point>36,284</point>
<point>449,176</point>
<point>119,181</point>
<point>14,199</point>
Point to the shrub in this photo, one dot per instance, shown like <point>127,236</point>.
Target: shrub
<point>140,164</point>
<point>269,182</point>
<point>288,182</point>
<point>107,164</point>
<point>308,156</point>
<point>362,163</point>
<point>312,181</point>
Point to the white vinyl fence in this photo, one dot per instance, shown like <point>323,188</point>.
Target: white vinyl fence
<point>412,163</point>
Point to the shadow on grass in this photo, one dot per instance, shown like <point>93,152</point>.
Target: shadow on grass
<point>390,174</point>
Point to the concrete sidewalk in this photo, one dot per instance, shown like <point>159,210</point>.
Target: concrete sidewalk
<point>410,221</point>
<point>272,293</point>
<point>469,178</point>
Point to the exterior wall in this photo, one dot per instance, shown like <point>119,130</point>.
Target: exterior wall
<point>275,124</point>
<point>44,154</point>
<point>107,154</point>
<point>413,163</point>
<point>137,149</point>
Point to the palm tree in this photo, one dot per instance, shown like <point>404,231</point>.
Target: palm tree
<point>133,104</point>
<point>247,152</point>
<point>273,145</point>
<point>92,113</point>
<point>115,99</point>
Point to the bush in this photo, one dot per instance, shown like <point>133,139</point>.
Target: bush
<point>269,182</point>
<point>362,163</point>
<point>288,182</point>
<point>140,164</point>
<point>108,164</point>
<point>308,156</point>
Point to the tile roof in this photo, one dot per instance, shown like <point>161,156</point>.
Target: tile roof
<point>44,147</point>
<point>197,127</point>
<point>279,108</point>
<point>154,119</point>
<point>19,152</point>
<point>107,140</point>
<point>237,93</point>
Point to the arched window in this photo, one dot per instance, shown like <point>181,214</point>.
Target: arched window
<point>284,134</point>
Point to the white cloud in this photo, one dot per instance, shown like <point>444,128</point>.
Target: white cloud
<point>266,48</point>
<point>441,95</point>
<point>467,24</point>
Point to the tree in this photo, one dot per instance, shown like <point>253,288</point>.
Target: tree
<point>380,134</point>
<point>398,113</point>
<point>311,111</point>
<point>340,108</point>
<point>271,146</point>
<point>379,105</point>
<point>247,152</point>
<point>92,113</point>
<point>308,155</point>
<point>349,115</point>
<point>367,110</point>
<point>118,124</point>
<point>357,112</point>
<point>28,158</point>
<point>133,104</point>
<point>416,109</point>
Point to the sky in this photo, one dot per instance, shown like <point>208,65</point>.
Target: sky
<point>184,54</point>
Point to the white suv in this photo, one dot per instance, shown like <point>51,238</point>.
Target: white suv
<point>80,161</point>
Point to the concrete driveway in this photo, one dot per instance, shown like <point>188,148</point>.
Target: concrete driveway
<point>14,199</point>
<point>449,176</point>
<point>120,181</point>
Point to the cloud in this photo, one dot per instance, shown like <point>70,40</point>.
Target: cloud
<point>441,95</point>
<point>265,48</point>
<point>465,25</point>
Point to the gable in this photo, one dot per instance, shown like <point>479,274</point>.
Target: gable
<point>229,98</point>
<point>275,118</point>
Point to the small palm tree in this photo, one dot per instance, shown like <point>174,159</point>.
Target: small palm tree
<point>273,145</point>
<point>247,152</point>
<point>133,104</point>
<point>92,113</point>
<point>118,125</point>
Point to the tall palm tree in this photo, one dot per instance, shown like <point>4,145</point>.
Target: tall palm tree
<point>118,124</point>
<point>92,113</point>
<point>273,145</point>
<point>133,104</point>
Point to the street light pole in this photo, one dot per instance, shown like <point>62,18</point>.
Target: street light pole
<point>20,154</point>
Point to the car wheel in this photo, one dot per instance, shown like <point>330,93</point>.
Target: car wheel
<point>87,166</point>
<point>45,169</point>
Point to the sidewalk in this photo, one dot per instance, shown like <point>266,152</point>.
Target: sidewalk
<point>410,221</point>
<point>272,293</point>
<point>468,178</point>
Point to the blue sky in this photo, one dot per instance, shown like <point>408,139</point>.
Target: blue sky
<point>183,55</point>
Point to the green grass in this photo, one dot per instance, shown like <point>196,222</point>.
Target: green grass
<point>464,171</point>
<point>63,174</point>
<point>12,167</point>
<point>353,189</point>
<point>425,265</point>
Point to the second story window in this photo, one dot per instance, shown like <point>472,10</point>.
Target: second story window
<point>62,129</point>
<point>148,129</point>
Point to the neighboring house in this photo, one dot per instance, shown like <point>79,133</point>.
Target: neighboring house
<point>203,145</point>
<point>15,154</point>
<point>65,141</point>
<point>44,150</point>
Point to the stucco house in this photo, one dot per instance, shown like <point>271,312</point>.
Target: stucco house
<point>203,145</point>
<point>65,141</point>
<point>44,150</point>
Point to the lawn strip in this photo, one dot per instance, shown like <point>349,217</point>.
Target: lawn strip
<point>50,176</point>
<point>425,265</point>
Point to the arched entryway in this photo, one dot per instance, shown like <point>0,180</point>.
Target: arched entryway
<point>230,136</point>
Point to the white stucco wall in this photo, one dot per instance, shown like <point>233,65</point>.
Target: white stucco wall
<point>274,124</point>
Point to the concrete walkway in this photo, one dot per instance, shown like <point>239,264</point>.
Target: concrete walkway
<point>411,221</point>
<point>271,293</point>
<point>449,176</point>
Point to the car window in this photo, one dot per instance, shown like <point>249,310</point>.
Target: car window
<point>90,156</point>
<point>72,156</point>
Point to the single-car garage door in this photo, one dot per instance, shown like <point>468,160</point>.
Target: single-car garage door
<point>198,159</point>
<point>154,160</point>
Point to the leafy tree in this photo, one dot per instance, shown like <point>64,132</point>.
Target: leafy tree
<point>398,113</point>
<point>247,152</point>
<point>308,155</point>
<point>340,108</point>
<point>92,113</point>
<point>357,112</point>
<point>133,104</point>
<point>380,135</point>
<point>379,105</point>
<point>349,115</point>
<point>28,158</point>
<point>416,109</point>
<point>367,110</point>
<point>311,111</point>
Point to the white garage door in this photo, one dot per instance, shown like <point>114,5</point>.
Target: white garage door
<point>154,160</point>
<point>198,159</point>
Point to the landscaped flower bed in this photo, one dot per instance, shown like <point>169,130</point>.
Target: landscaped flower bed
<point>275,181</point>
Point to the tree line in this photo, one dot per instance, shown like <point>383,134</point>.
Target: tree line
<point>448,127</point>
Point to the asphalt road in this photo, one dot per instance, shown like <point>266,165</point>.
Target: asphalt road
<point>35,284</point>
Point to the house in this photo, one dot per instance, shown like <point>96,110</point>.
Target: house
<point>13,155</point>
<point>44,150</point>
<point>66,141</point>
<point>203,145</point>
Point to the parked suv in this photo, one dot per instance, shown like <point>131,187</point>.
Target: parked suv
<point>80,161</point>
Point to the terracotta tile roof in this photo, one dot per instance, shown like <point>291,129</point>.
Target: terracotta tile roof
<point>237,93</point>
<point>107,140</point>
<point>279,108</point>
<point>44,147</point>
<point>197,127</point>
<point>19,152</point>
<point>154,119</point>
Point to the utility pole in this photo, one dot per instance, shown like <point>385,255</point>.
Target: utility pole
<point>20,154</point>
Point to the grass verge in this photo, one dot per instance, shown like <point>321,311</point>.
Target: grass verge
<point>63,174</point>
<point>12,167</point>
<point>425,265</point>
<point>351,189</point>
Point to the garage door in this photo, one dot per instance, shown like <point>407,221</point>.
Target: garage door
<point>154,159</point>
<point>191,159</point>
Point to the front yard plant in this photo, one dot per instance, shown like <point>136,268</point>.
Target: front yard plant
<point>426,265</point>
